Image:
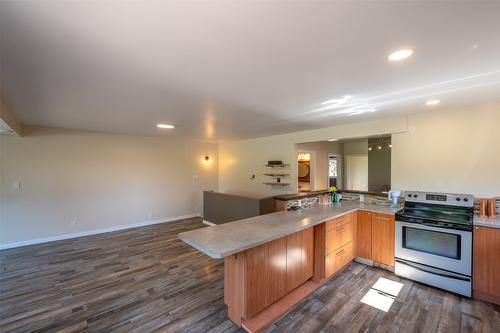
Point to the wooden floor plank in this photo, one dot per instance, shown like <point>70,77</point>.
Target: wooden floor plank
<point>146,280</point>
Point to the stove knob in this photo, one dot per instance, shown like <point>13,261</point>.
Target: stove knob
<point>415,196</point>
<point>458,199</point>
<point>409,195</point>
<point>466,199</point>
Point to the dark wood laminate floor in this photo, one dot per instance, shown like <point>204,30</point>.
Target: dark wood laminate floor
<point>144,280</point>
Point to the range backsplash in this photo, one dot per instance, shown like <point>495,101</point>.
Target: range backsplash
<point>373,199</point>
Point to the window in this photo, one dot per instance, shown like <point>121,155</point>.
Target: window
<point>332,169</point>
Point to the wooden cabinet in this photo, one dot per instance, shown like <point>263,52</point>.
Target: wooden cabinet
<point>294,274</point>
<point>338,259</point>
<point>375,237</point>
<point>364,235</point>
<point>383,238</point>
<point>299,258</point>
<point>333,248</point>
<point>270,271</point>
<point>257,264</point>
<point>307,253</point>
<point>486,264</point>
<point>338,237</point>
<point>276,273</point>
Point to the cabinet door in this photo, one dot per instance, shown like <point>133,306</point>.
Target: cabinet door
<point>338,259</point>
<point>256,282</point>
<point>338,237</point>
<point>307,253</point>
<point>276,277</point>
<point>364,235</point>
<point>294,272</point>
<point>486,270</point>
<point>383,238</point>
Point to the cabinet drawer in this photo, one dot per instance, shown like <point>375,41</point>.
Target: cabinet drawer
<point>338,237</point>
<point>337,222</point>
<point>338,259</point>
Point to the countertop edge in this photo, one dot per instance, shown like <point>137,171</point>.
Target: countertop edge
<point>486,222</point>
<point>274,237</point>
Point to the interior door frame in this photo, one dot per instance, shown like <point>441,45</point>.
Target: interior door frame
<point>312,167</point>
<point>340,174</point>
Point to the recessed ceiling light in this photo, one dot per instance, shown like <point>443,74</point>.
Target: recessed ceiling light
<point>433,102</point>
<point>400,55</point>
<point>331,140</point>
<point>167,126</point>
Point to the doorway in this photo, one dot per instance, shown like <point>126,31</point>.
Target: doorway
<point>305,170</point>
<point>334,171</point>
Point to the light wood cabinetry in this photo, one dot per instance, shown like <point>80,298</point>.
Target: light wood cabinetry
<point>293,261</point>
<point>339,236</point>
<point>333,246</point>
<point>257,264</point>
<point>383,238</point>
<point>260,276</point>
<point>375,237</point>
<point>307,253</point>
<point>486,264</point>
<point>276,274</point>
<point>338,259</point>
<point>364,235</point>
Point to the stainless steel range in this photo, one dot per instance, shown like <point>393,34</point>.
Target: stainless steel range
<point>433,238</point>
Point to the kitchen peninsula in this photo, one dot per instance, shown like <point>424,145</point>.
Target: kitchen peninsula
<point>273,261</point>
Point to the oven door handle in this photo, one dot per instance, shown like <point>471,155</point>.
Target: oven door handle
<point>427,224</point>
<point>431,271</point>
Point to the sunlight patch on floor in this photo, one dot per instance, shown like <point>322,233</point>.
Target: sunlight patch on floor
<point>382,294</point>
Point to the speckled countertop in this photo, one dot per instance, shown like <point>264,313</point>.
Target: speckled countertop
<point>487,222</point>
<point>226,239</point>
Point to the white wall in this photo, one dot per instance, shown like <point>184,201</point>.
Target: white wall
<point>98,180</point>
<point>238,160</point>
<point>451,151</point>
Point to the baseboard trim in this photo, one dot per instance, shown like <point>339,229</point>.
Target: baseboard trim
<point>364,261</point>
<point>208,223</point>
<point>95,232</point>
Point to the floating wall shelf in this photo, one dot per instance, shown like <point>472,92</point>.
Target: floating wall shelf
<point>276,184</point>
<point>277,174</point>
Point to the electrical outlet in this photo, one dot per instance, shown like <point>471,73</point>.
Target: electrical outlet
<point>73,224</point>
<point>361,198</point>
<point>413,130</point>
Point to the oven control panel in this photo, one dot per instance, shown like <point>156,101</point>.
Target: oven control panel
<point>460,200</point>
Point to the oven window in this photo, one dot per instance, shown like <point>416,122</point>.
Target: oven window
<point>433,242</point>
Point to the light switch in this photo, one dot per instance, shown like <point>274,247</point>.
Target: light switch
<point>195,177</point>
<point>16,186</point>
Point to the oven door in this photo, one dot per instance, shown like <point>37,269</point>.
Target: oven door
<point>446,249</point>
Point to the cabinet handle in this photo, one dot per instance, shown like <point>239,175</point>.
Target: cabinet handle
<point>339,230</point>
<point>339,253</point>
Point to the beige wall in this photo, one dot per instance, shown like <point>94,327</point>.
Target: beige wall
<point>238,160</point>
<point>98,180</point>
<point>321,149</point>
<point>450,151</point>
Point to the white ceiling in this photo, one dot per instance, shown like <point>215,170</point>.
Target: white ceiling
<point>237,69</point>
